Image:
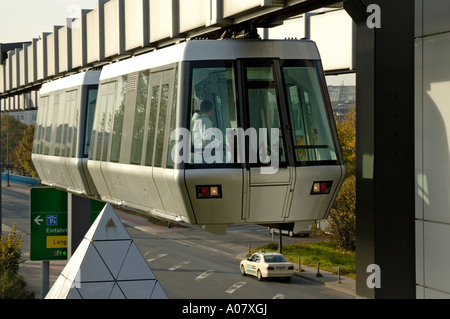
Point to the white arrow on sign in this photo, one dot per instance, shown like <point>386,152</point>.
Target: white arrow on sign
<point>37,220</point>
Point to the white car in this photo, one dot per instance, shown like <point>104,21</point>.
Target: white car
<point>263,265</point>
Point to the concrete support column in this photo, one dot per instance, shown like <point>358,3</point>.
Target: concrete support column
<point>385,204</point>
<point>78,221</point>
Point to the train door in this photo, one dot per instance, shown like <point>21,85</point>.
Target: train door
<point>270,171</point>
<point>156,179</point>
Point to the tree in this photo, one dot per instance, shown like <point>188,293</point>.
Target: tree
<point>11,134</point>
<point>24,149</point>
<point>347,136</point>
<point>12,286</point>
<point>11,250</point>
<point>342,216</point>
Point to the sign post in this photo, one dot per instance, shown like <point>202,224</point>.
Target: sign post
<point>48,229</point>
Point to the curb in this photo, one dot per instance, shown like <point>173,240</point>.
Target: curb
<point>327,279</point>
<point>332,285</point>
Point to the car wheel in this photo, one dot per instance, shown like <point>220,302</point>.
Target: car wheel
<point>243,270</point>
<point>259,275</point>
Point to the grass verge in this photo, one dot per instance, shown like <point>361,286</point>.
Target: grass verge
<point>325,253</point>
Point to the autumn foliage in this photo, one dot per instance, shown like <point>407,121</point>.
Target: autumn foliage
<point>342,216</point>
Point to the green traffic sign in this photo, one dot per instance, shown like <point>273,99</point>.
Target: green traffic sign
<point>48,223</point>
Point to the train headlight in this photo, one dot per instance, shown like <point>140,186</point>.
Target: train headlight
<point>321,188</point>
<point>209,191</point>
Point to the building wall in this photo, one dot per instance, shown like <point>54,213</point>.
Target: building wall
<point>432,106</point>
<point>26,117</point>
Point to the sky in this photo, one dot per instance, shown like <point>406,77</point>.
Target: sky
<point>23,20</point>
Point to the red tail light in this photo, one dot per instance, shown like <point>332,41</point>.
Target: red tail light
<point>209,191</point>
<point>321,188</point>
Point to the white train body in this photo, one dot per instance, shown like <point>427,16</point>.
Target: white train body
<point>272,155</point>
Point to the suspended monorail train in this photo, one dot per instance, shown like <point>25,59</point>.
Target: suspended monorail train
<point>208,132</point>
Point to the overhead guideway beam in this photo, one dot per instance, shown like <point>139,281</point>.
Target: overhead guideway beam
<point>119,29</point>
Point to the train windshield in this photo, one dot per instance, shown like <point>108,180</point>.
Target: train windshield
<point>213,111</point>
<point>273,92</point>
<point>313,139</point>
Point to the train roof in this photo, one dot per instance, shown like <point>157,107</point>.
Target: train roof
<point>72,81</point>
<point>203,50</point>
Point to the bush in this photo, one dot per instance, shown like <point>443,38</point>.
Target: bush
<point>12,286</point>
<point>342,216</point>
<point>11,251</point>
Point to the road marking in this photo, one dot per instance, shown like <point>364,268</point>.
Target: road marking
<point>182,242</point>
<point>178,266</point>
<point>204,275</point>
<point>159,256</point>
<point>235,287</point>
<point>279,296</point>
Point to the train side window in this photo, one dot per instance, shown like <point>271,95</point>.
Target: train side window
<point>65,128</point>
<point>162,116</point>
<point>39,133</point>
<point>102,127</point>
<point>155,89</point>
<point>312,132</point>
<point>213,115</point>
<point>116,138</point>
<point>70,115</point>
<point>48,125</point>
<point>139,118</point>
<point>108,117</point>
<point>74,119</point>
<point>43,125</point>
<point>59,110</point>
<point>69,130</point>
<point>91,99</point>
<point>99,125</point>
<point>173,117</point>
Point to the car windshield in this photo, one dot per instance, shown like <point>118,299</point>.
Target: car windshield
<point>275,258</point>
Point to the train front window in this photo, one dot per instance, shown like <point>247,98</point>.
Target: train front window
<point>213,112</point>
<point>313,140</point>
<point>264,117</point>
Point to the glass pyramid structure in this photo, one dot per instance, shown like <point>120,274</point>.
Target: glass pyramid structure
<point>107,265</point>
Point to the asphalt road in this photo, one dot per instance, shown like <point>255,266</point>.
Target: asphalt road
<point>191,263</point>
<point>15,206</point>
